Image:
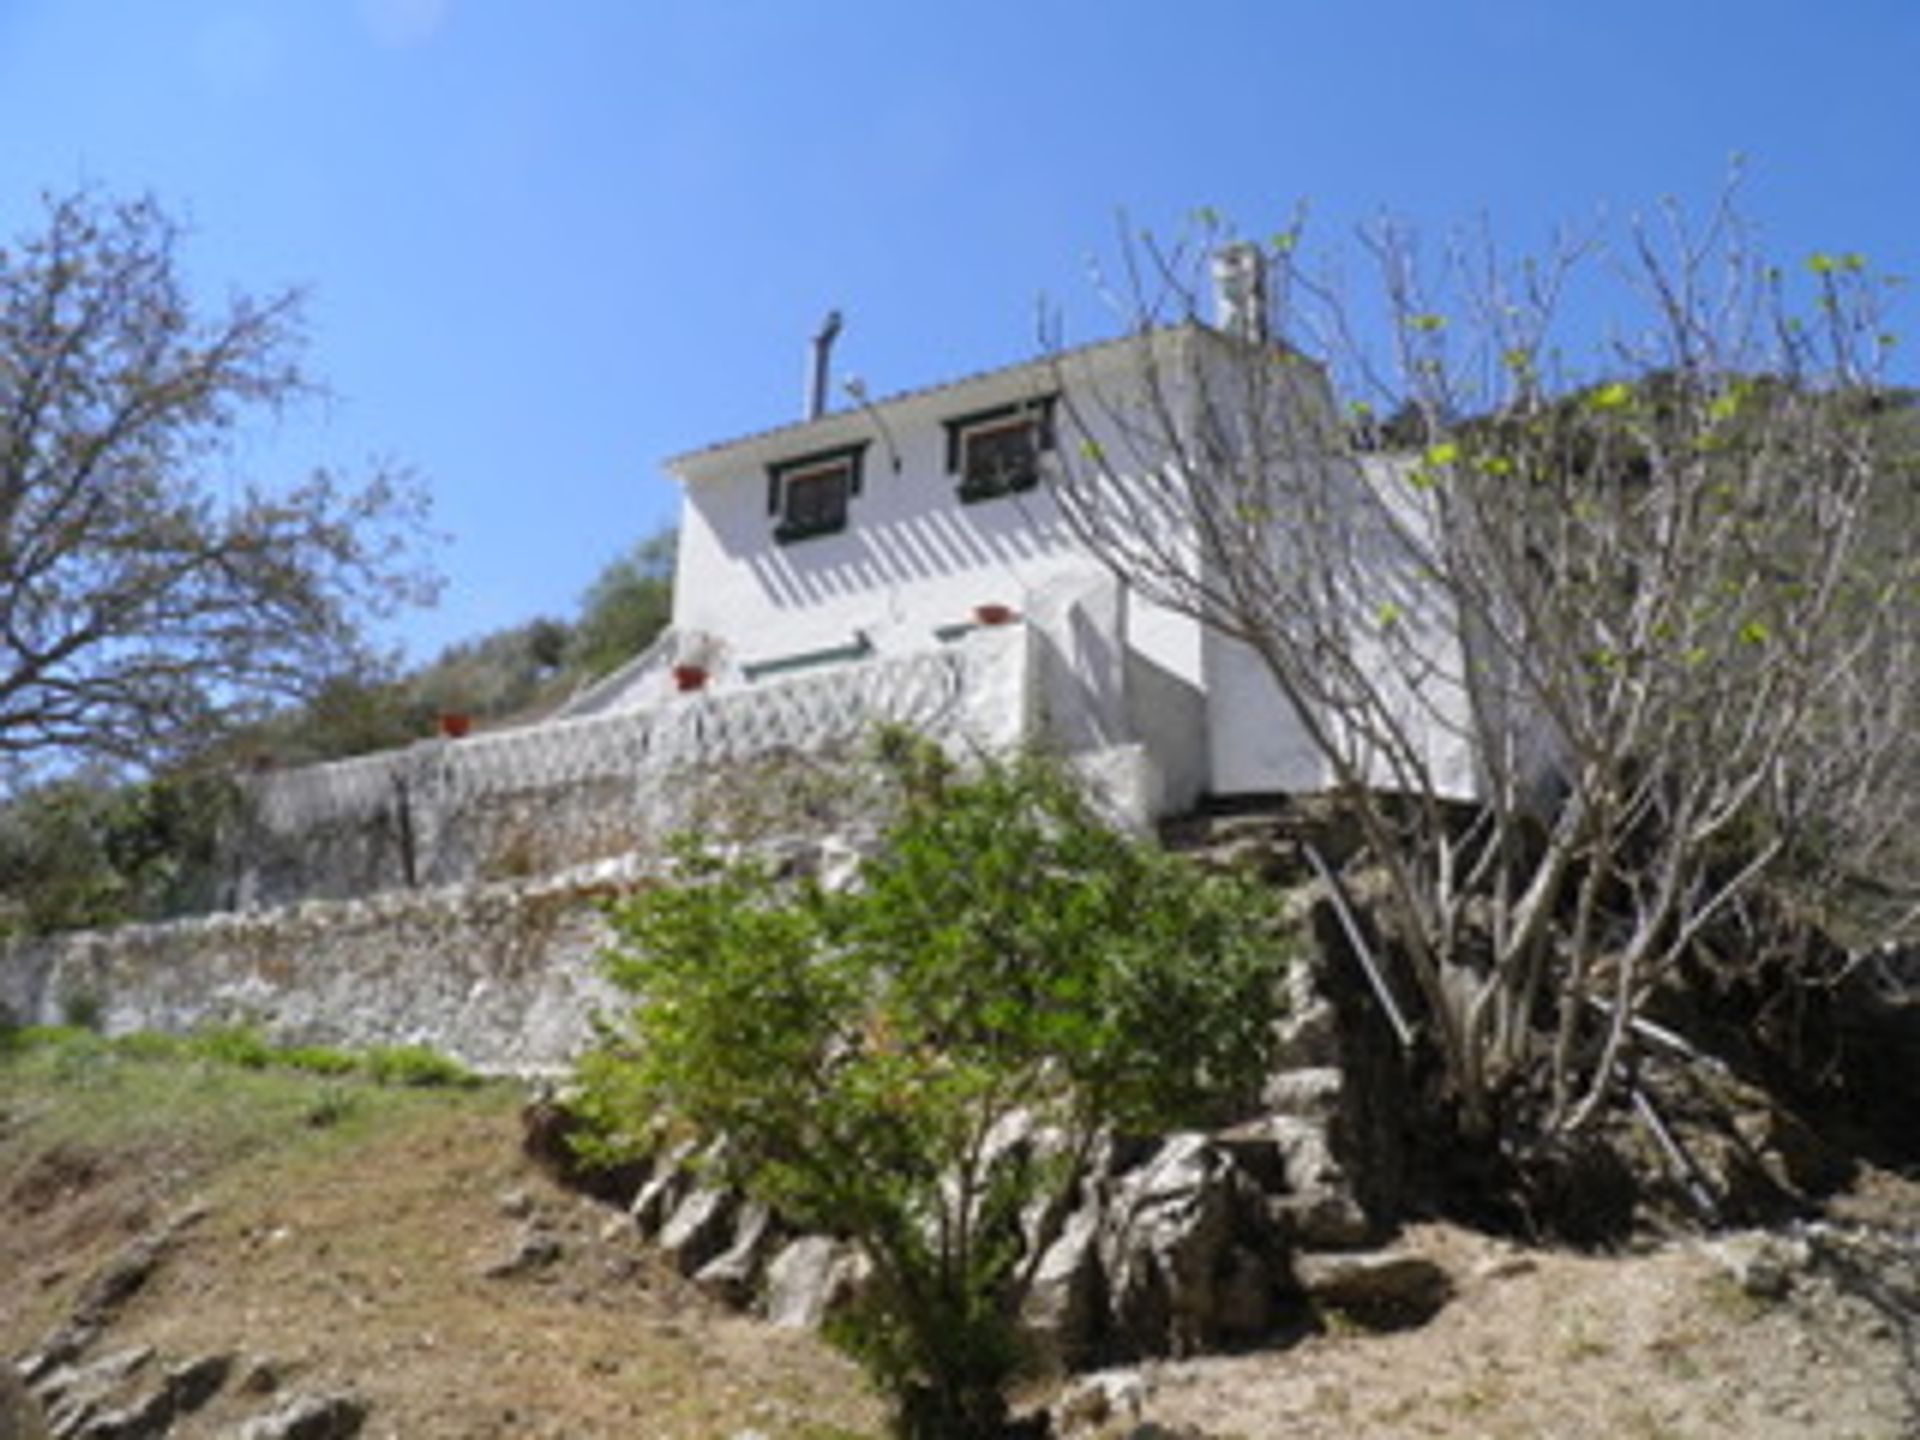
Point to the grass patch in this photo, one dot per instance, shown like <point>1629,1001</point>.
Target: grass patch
<point>76,1049</point>
<point>222,1091</point>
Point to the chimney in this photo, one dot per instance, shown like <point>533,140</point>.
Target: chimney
<point>817,365</point>
<point>1240,292</point>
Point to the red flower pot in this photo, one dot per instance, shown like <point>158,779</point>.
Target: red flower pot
<point>689,677</point>
<point>993,614</point>
<point>453,724</point>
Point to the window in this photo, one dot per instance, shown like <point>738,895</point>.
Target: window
<point>997,452</point>
<point>809,495</point>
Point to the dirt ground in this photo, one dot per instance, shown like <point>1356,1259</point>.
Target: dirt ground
<point>418,1261</point>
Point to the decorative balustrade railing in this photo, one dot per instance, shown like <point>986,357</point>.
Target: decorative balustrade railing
<point>573,789</point>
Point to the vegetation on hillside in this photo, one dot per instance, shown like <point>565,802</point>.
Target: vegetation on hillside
<point>93,847</point>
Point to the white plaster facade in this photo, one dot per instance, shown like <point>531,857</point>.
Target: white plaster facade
<point>1119,677</point>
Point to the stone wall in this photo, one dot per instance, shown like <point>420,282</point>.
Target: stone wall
<point>501,977</point>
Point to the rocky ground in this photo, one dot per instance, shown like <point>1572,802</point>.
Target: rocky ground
<point>390,1265</point>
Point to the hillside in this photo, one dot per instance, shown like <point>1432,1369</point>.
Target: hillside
<point>391,1246</point>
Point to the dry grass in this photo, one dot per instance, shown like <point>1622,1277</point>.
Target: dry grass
<point>350,1229</point>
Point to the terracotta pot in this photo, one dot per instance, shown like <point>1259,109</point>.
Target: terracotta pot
<point>453,724</point>
<point>993,614</point>
<point>689,677</point>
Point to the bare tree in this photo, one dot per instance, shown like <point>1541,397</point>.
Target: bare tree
<point>1590,659</point>
<point>146,597</point>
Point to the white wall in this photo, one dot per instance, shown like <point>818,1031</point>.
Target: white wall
<point>912,558</point>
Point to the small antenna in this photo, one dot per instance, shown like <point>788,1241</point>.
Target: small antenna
<point>856,389</point>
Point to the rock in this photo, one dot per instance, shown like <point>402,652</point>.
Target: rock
<point>74,1394</point>
<point>1308,1034</point>
<point>1761,1263</point>
<point>193,1383</point>
<point>734,1273</point>
<point>120,1279</point>
<point>1244,1296</point>
<point>1098,1402</point>
<point>1168,1242</point>
<point>514,1203</point>
<point>536,1248</point>
<point>20,1414</point>
<point>1382,1288</point>
<point>307,1417</point>
<point>809,1280</point>
<point>1794,1156</point>
<point>1503,1265</point>
<point>1318,1210</point>
<point>663,1191</point>
<point>65,1345</point>
<point>148,1418</point>
<point>1310,1092</point>
<point>699,1227</point>
<point>1062,1313</point>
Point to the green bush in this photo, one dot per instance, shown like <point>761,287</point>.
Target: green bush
<point>241,1045</point>
<point>153,1045</point>
<point>318,1060</point>
<point>1004,962</point>
<point>415,1065</point>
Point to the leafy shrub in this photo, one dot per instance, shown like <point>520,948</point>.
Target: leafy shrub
<point>1004,964</point>
<point>82,852</point>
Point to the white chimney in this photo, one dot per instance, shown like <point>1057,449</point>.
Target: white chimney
<point>1240,292</point>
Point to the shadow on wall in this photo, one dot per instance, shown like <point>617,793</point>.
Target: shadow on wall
<point>915,549</point>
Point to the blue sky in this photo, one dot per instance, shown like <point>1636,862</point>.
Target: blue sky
<point>550,244</point>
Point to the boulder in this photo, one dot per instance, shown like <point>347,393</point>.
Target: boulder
<point>535,1248</point>
<point>307,1417</point>
<point>192,1383</point>
<point>1062,1312</point>
<point>1385,1289</point>
<point>74,1395</point>
<point>735,1272</point>
<point>1761,1263</point>
<point>1097,1403</point>
<point>700,1227</point>
<point>148,1418</point>
<point>1168,1248</point>
<point>663,1191</point>
<point>810,1279</point>
<point>1317,1208</point>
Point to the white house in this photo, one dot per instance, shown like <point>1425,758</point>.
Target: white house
<point>906,524</point>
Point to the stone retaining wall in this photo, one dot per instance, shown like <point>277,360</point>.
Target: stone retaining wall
<point>501,977</point>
